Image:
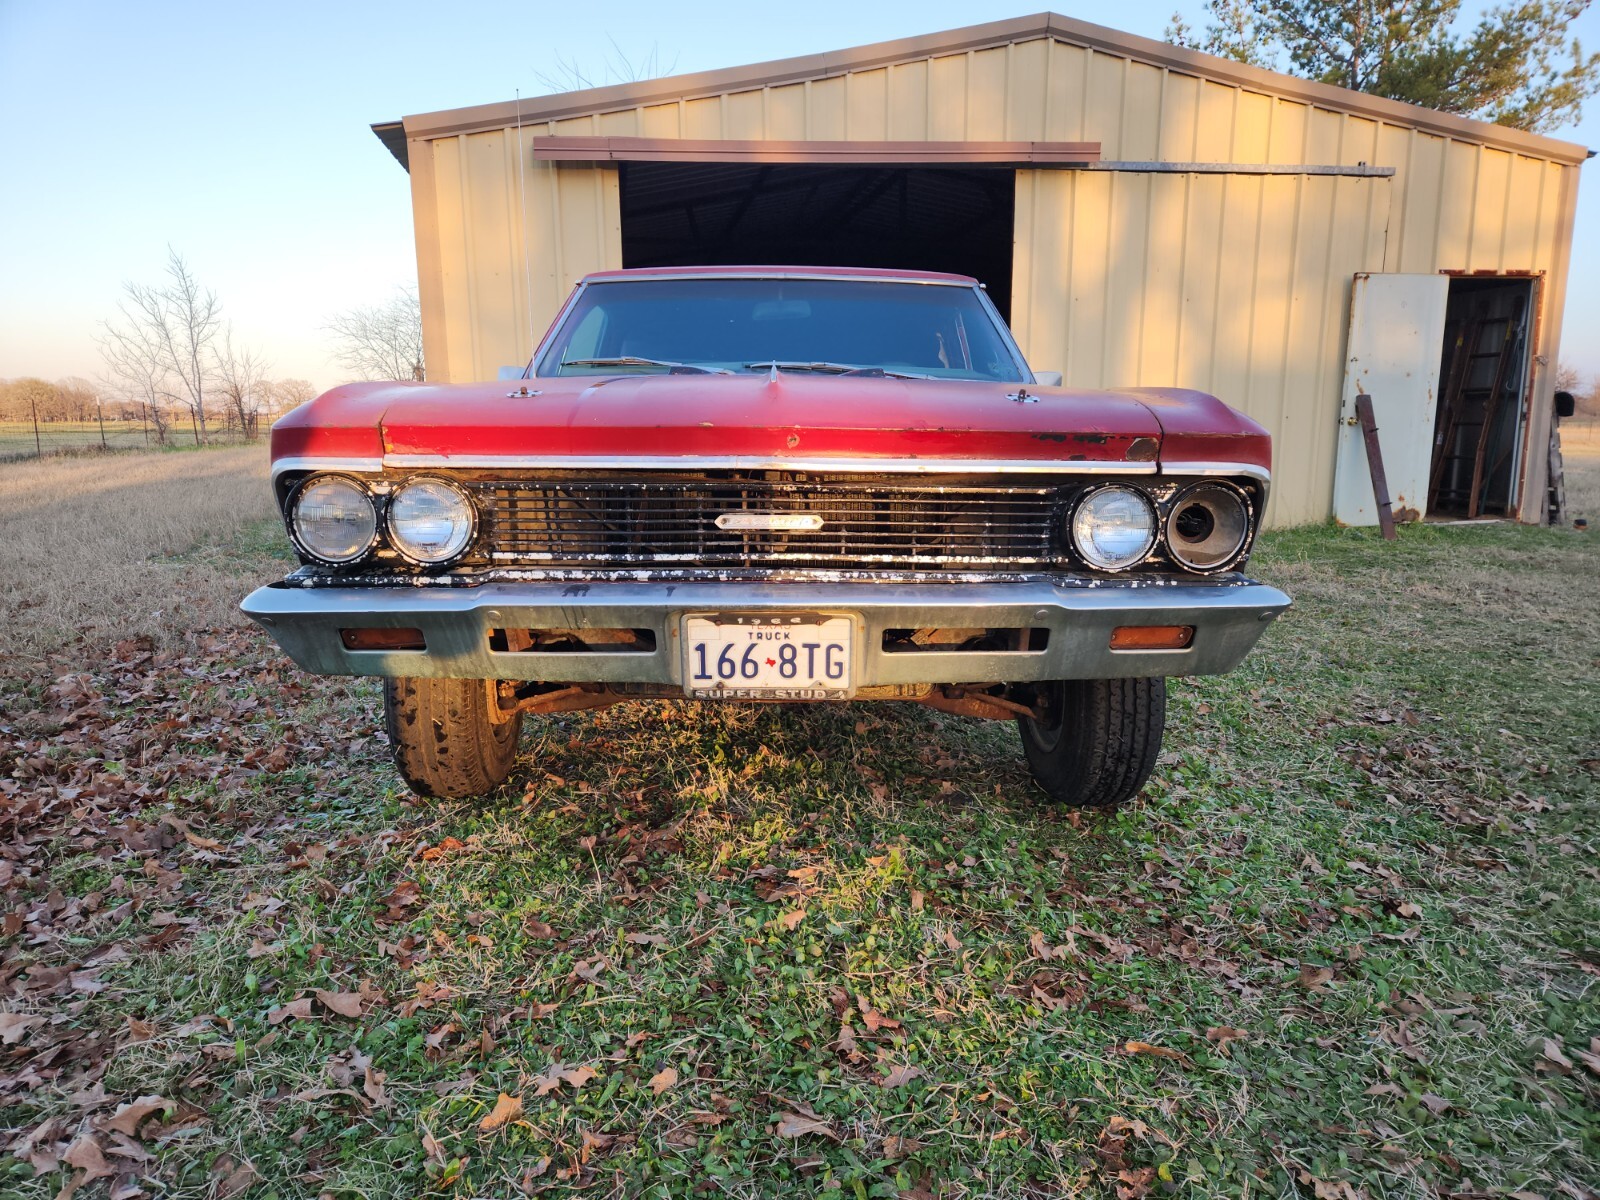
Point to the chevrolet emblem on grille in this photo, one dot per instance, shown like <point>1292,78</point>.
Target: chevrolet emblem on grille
<point>772,522</point>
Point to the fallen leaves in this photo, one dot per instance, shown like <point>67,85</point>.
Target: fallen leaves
<point>1314,978</point>
<point>872,1018</point>
<point>791,919</point>
<point>506,1109</point>
<point>295,1010</point>
<point>1329,1189</point>
<point>127,1119</point>
<point>346,1004</point>
<point>1437,1105</point>
<point>573,1077</point>
<point>1590,1058</point>
<point>805,1123</point>
<point>13,1025</point>
<point>899,1076</point>
<point>1132,1047</point>
<point>1221,1036</point>
<point>663,1080</point>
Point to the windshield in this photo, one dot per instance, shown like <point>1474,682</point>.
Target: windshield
<point>836,326</point>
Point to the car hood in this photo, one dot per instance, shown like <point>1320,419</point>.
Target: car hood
<point>757,419</point>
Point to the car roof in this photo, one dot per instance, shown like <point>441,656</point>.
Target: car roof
<point>781,272</point>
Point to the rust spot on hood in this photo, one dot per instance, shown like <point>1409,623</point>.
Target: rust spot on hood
<point>1142,449</point>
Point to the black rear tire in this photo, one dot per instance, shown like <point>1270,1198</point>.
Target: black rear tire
<point>446,741</point>
<point>1098,739</point>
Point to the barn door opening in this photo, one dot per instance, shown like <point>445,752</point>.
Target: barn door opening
<point>1480,423</point>
<point>917,218</point>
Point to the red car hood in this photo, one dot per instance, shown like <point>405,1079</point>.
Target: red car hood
<point>756,417</point>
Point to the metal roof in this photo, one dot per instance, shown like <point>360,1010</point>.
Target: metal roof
<point>590,101</point>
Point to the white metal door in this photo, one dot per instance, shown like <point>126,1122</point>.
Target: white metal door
<point>1396,337</point>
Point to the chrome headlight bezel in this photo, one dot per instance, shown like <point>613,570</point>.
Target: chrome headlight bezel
<point>297,537</point>
<point>1221,497</point>
<point>408,553</point>
<point>1082,543</point>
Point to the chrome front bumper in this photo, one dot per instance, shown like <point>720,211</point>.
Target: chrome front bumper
<point>1228,615</point>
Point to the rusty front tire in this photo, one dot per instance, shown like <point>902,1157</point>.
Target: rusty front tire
<point>447,741</point>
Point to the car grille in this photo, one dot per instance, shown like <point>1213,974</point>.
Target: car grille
<point>637,523</point>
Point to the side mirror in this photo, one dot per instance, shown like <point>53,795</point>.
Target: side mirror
<point>1048,378</point>
<point>1565,404</point>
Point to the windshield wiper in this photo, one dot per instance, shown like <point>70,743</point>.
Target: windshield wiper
<point>832,368</point>
<point>631,361</point>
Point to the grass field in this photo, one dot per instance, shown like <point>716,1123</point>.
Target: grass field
<point>1344,947</point>
<point>1580,449</point>
<point>18,441</point>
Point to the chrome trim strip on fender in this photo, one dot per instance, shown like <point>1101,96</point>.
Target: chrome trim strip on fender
<point>734,462</point>
<point>1248,470</point>
<point>284,465</point>
<point>738,462</point>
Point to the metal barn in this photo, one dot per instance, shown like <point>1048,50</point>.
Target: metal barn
<point>1142,214</point>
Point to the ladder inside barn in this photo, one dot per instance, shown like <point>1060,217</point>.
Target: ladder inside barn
<point>1471,408</point>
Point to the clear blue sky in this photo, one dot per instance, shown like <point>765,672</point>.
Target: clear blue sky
<point>239,134</point>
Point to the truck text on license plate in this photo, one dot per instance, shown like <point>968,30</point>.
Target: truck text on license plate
<point>769,656</point>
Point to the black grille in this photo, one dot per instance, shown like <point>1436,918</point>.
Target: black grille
<point>631,523</point>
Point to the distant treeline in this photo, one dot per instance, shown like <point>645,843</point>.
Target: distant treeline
<point>30,399</point>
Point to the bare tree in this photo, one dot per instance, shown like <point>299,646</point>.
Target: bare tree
<point>381,341</point>
<point>136,374</point>
<point>173,324</point>
<point>284,394</point>
<point>77,399</point>
<point>241,377</point>
<point>569,75</point>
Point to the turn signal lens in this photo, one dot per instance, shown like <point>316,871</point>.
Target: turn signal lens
<point>382,639</point>
<point>1151,637</point>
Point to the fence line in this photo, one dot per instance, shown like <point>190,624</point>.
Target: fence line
<point>36,438</point>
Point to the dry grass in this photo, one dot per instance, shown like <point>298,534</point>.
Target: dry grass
<point>1395,793</point>
<point>1580,451</point>
<point>94,545</point>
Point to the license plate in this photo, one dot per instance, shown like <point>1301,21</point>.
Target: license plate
<point>768,656</point>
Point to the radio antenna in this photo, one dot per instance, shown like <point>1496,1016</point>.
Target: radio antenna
<point>522,226</point>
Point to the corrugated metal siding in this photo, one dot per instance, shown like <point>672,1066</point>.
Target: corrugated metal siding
<point>1230,284</point>
<point>1238,284</point>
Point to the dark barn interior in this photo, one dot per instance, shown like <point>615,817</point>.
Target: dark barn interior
<point>1483,391</point>
<point>920,218</point>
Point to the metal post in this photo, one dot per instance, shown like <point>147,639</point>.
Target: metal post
<point>1380,482</point>
<point>100,411</point>
<point>144,421</point>
<point>38,448</point>
<point>194,425</point>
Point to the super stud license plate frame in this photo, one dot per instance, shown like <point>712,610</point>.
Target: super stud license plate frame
<point>744,655</point>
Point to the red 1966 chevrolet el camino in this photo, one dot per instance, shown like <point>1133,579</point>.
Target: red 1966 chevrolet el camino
<point>771,484</point>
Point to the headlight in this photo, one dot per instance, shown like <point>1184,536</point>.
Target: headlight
<point>333,520</point>
<point>1208,527</point>
<point>1114,527</point>
<point>431,521</point>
